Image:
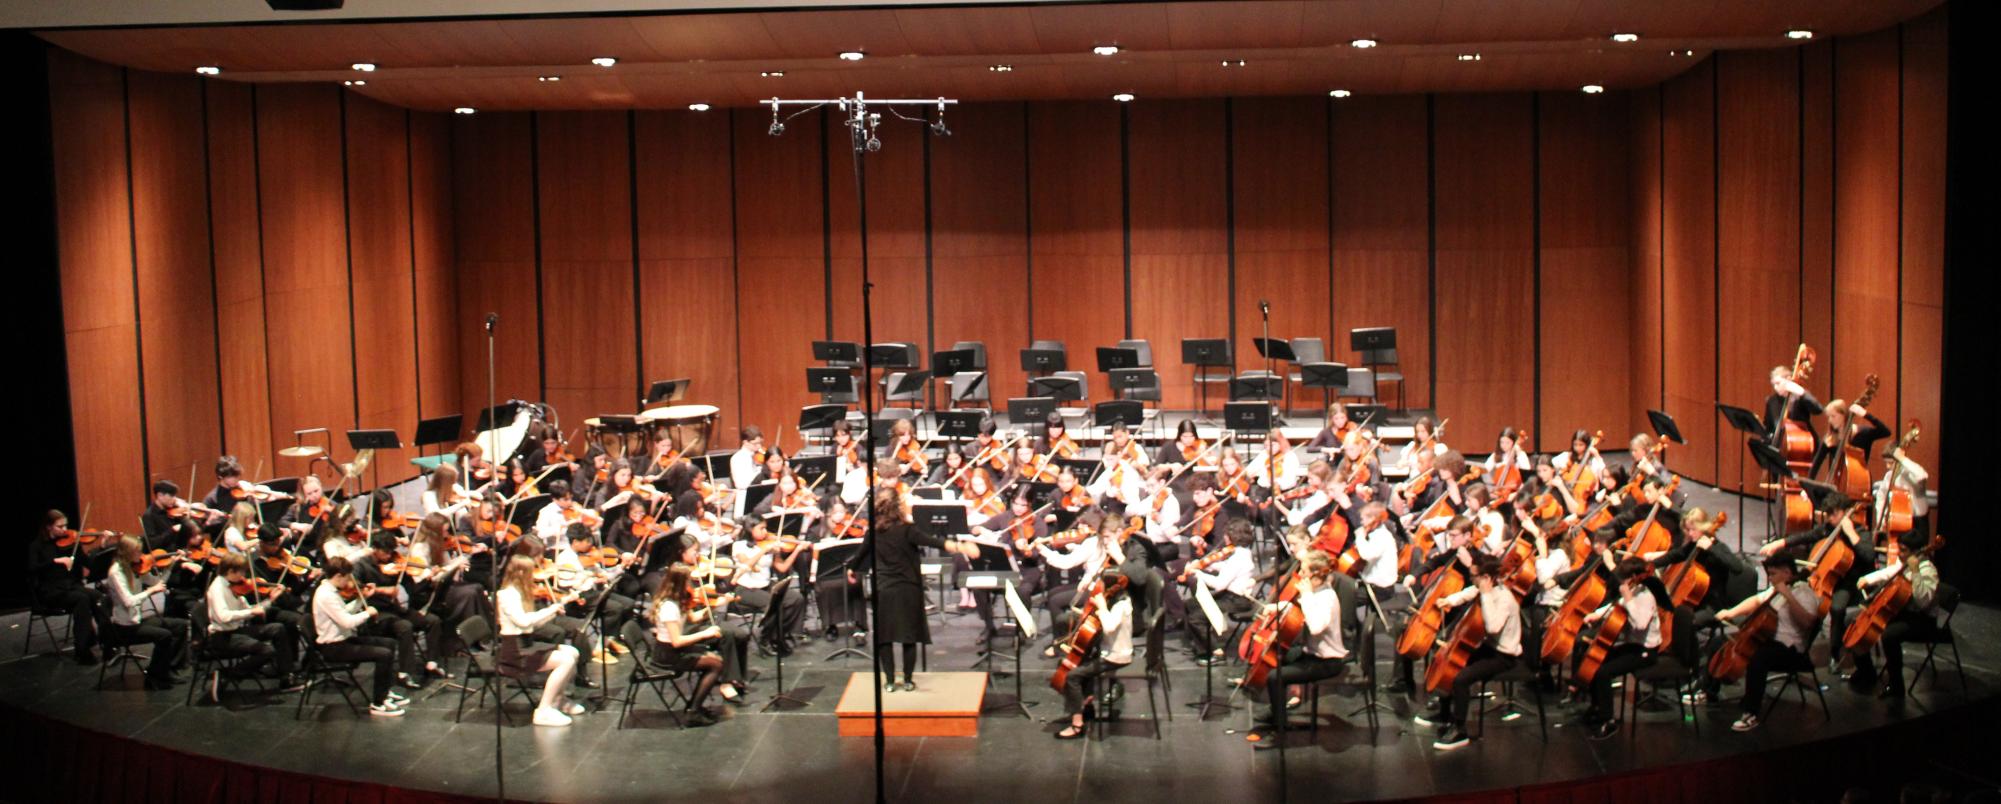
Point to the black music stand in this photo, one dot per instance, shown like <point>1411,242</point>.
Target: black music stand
<point>1372,339</point>
<point>527,510</point>
<point>714,463</point>
<point>441,430</point>
<point>376,440</point>
<point>947,363</point>
<point>911,381</point>
<point>1274,351</point>
<point>1328,377</point>
<point>1112,358</point>
<point>821,417</point>
<point>1127,380</point>
<point>1747,423</point>
<point>776,609</point>
<point>940,519</point>
<point>1039,493</point>
<point>1247,417</point>
<point>1664,426</point>
<point>487,416</point>
<point>838,353</point>
<point>892,356</point>
<point>666,391</point>
<point>756,493</point>
<point>831,563</point>
<point>1061,389</point>
<point>1043,361</point>
<point>1262,388</point>
<point>812,468</point>
<point>1204,353</point>
<point>962,425</point>
<point>1029,411</point>
<point>1127,412</point>
<point>831,382</point>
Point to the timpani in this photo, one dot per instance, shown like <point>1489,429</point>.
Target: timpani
<point>688,427</point>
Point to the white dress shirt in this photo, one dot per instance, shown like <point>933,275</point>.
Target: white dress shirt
<point>335,619</point>
<point>1378,551</point>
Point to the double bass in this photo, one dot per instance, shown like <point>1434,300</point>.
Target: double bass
<point>1084,637</point>
<point>1893,515</point>
<point>1846,469</point>
<point>1884,606</point>
<point>1795,443</point>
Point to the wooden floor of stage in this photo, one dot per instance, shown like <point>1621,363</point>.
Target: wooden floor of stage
<point>770,756</point>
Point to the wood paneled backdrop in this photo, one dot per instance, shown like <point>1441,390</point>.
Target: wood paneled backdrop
<point>239,262</point>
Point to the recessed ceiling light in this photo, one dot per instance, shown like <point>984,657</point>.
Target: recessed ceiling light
<point>1339,93</point>
<point>1233,62</point>
<point>1469,57</point>
<point>1625,37</point>
<point>1362,43</point>
<point>1001,68</point>
<point>354,82</point>
<point>463,110</point>
<point>772,74</point>
<point>698,107</point>
<point>1123,97</point>
<point>208,70</point>
<point>1684,52</point>
<point>604,61</point>
<point>853,55</point>
<point>1106,50</point>
<point>1593,89</point>
<point>548,78</point>
<point>364,66</point>
<point>1799,33</point>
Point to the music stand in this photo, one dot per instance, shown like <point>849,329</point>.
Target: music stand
<point>1113,358</point>
<point>1204,353</point>
<point>1275,349</point>
<point>1265,388</point>
<point>939,519</point>
<point>952,361</point>
<point>441,430</point>
<point>714,463</point>
<point>1029,411</point>
<point>988,572</point>
<point>1664,426</point>
<point>756,493</point>
<point>527,510</point>
<point>775,609</point>
<point>1247,417</point>
<point>812,468</point>
<point>487,416</point>
<point>373,440</point>
<point>821,417</point>
<point>666,391</point>
<point>1372,339</point>
<point>830,382</point>
<point>892,356</point>
<point>912,380</point>
<point>1043,361</point>
<point>1127,412</point>
<point>1024,629</point>
<point>960,424</point>
<point>1325,376</point>
<point>1747,423</point>
<point>836,553</point>
<point>1061,389</point>
<point>1127,380</point>
<point>968,392</point>
<point>846,353</point>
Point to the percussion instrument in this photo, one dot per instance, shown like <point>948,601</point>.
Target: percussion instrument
<point>688,427</point>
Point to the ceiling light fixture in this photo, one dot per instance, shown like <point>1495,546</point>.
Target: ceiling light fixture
<point>1625,37</point>
<point>1233,62</point>
<point>1339,93</point>
<point>1469,57</point>
<point>1684,52</point>
<point>698,107</point>
<point>548,78</point>
<point>364,66</point>
<point>354,83</point>
<point>853,55</point>
<point>463,110</point>
<point>1362,43</point>
<point>208,70</point>
<point>1593,89</point>
<point>772,74</point>
<point>1800,34</point>
<point>1123,97</point>
<point>1106,50</point>
<point>604,61</point>
<point>1001,68</point>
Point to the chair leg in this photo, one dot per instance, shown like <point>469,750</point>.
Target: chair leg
<point>1957,666</point>
<point>1153,712</point>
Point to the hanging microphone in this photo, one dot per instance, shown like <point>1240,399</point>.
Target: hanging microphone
<point>492,320</point>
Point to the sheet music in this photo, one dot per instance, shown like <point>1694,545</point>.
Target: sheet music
<point>1023,618</point>
<point>1207,601</point>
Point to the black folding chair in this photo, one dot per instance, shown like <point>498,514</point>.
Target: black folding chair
<point>647,674</point>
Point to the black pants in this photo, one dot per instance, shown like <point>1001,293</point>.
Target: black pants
<point>841,602</point>
<point>1837,614</point>
<point>1620,660</point>
<point>81,603</point>
<point>983,601</point>
<point>165,635</point>
<point>375,650</point>
<point>1232,604</point>
<point>1485,663</point>
<point>1299,667</point>
<point>258,643</point>
<point>1079,681</point>
<point>790,611</point>
<point>402,630</point>
<point>1909,625</point>
<point>1772,657</point>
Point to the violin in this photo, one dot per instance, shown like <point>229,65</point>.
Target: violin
<point>1064,447</point>
<point>391,520</point>
<point>911,455</point>
<point>181,508</point>
<point>989,505</point>
<point>89,539</point>
<point>1214,557</point>
<point>252,491</point>
<point>1883,607</point>
<point>1085,636</point>
<point>492,529</point>
<point>252,589</point>
<point>153,561</point>
<point>577,513</point>
<point>288,563</point>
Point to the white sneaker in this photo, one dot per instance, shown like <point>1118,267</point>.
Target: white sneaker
<point>544,716</point>
<point>397,698</point>
<point>1745,723</point>
<point>572,708</point>
<point>384,710</point>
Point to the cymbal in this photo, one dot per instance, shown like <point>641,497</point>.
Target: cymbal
<point>360,464</point>
<point>300,451</point>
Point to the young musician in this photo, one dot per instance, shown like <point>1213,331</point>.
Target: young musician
<point>444,495</point>
<point>734,643</point>
<point>1123,445</point>
<point>1645,603</point>
<point>239,534</point>
<point>1056,441</point>
<point>1798,609</point>
<point>1581,454</point>
<point>761,559</point>
<point>228,480</point>
<point>253,630</point>
<point>1507,462</point>
<point>1908,477</point>
<point>1500,616</point>
<point>1230,573</point>
<point>1186,448</point>
<point>1839,523</point>
<point>1069,567</point>
<point>1336,430</point>
<point>1114,650</point>
<point>905,451</point>
<point>395,618</point>
<point>311,531</point>
<point>517,622</point>
<point>1422,432</point>
<point>130,626</point>
<point>1802,408</point>
<point>748,459</point>
<point>562,510</point>
<point>1918,620</point>
<point>552,454</point>
<point>1318,653</point>
<point>679,646</point>
<point>58,575</point>
<point>337,622</point>
<point>841,602</point>
<point>891,550</point>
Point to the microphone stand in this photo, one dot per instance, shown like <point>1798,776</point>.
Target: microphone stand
<point>499,767</point>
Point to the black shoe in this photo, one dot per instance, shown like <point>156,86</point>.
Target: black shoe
<point>1401,687</point>
<point>1605,730</point>
<point>1453,738</point>
<point>701,718</point>
<point>832,635</point>
<point>1431,717</point>
<point>1862,683</point>
<point>1893,688</point>
<point>1116,693</point>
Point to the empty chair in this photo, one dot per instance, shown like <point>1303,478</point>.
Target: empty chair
<point>1143,347</point>
<point>890,396</point>
<point>1304,350</point>
<point>1047,345</point>
<point>1381,360</point>
<point>968,387</point>
<point>979,350</point>
<point>895,355</point>
<point>1080,392</point>
<point>1361,385</point>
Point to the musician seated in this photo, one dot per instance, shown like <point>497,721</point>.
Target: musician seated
<point>394,617</point>
<point>1645,604</point>
<point>129,625</point>
<point>523,651</point>
<point>441,587</point>
<point>745,463</point>
<point>1500,616</point>
<point>761,559</point>
<point>1838,523</point>
<point>1453,551</point>
<point>1118,479</point>
<point>238,627</point>
<point>1113,650</point>
<point>1094,550</point>
<point>162,529</point>
<point>551,461</point>
<point>679,645</point>
<point>58,576</point>
<point>239,533</point>
<point>571,574</point>
<point>1335,430</point>
<point>1798,608</point>
<point>1918,620</point>
<point>339,613</point>
<point>443,495</point>
<point>228,479</point>
<point>1230,573</point>
<point>1318,652</point>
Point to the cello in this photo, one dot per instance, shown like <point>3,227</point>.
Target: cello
<point>1649,535</point>
<point>1830,560</point>
<point>1084,637</point>
<point>1457,649</point>
<point>1578,476</point>
<point>1884,606</point>
<point>1734,658</point>
<point>1267,639</point>
<point>1427,619</point>
<point>1583,597</point>
<point>1688,581</point>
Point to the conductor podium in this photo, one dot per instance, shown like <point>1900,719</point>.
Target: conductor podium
<point>944,705</point>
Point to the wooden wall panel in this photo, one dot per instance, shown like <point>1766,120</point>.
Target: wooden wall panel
<point>379,244</point>
<point>1921,342</point>
<point>781,255</point>
<point>1076,240</point>
<point>1758,269</point>
<point>1584,216</point>
<point>493,235</point>
<point>1179,199</point>
<point>979,231</point>
<point>176,300</point>
<point>895,177</point>
<point>434,280</point>
<point>1688,273</point>
<point>305,260</point>
<point>94,243</point>
<point>1279,153</point>
<point>589,328</point>
<point>1645,275</point>
<point>1382,237</point>
<point>1816,209</point>
<point>239,276</point>
<point>1866,177</point>
<point>687,268</point>
<point>1485,261</point>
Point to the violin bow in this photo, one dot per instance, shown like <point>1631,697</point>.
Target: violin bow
<point>1187,465</point>
<point>980,458</point>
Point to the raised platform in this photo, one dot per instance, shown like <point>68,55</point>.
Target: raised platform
<point>943,705</point>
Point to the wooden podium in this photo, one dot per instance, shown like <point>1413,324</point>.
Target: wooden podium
<point>944,705</point>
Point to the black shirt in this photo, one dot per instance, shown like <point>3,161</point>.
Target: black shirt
<point>896,559</point>
<point>1803,410</point>
<point>1864,438</point>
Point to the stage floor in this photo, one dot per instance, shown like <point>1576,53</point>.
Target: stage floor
<point>756,756</point>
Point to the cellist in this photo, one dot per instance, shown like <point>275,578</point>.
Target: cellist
<point>1508,464</point>
<point>1645,602</point>
<point>1453,552</point>
<point>1318,653</point>
<point>1839,522</point>
<point>1500,614</point>
<point>1918,620</point>
<point>1114,649</point>
<point>1798,607</point>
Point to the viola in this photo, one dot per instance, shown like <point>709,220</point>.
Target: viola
<point>251,589</point>
<point>1457,649</point>
<point>157,559</point>
<point>1085,636</point>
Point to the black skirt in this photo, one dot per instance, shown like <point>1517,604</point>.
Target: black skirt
<point>899,609</point>
<point>518,656</point>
